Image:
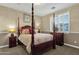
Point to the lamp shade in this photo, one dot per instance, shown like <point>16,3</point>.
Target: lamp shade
<point>12,29</point>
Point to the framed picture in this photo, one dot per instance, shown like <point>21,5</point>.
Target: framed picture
<point>26,20</point>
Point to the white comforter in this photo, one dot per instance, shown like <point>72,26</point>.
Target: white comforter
<point>41,38</point>
<point>38,39</point>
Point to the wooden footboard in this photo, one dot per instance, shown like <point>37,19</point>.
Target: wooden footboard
<point>40,48</point>
<point>44,47</point>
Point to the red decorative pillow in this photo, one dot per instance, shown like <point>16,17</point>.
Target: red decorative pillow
<point>26,28</point>
<point>30,30</point>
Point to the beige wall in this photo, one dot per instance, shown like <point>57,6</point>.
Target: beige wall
<point>46,23</point>
<point>38,20</point>
<point>73,36</point>
<point>74,17</point>
<point>9,17</point>
<point>73,11</point>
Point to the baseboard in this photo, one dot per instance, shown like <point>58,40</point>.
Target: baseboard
<point>4,46</point>
<point>71,45</point>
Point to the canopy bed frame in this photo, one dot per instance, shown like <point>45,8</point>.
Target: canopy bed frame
<point>39,48</point>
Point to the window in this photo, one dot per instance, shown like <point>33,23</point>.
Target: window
<point>62,22</point>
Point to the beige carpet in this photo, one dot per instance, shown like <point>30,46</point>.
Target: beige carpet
<point>18,50</point>
<point>60,50</point>
<point>63,50</point>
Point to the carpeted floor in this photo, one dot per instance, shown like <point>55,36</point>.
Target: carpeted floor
<point>18,50</point>
<point>63,50</point>
<point>60,50</point>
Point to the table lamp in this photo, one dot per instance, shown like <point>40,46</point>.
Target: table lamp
<point>37,27</point>
<point>12,29</point>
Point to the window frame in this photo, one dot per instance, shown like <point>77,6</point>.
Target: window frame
<point>51,24</point>
<point>59,15</point>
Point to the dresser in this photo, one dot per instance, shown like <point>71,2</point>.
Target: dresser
<point>59,38</point>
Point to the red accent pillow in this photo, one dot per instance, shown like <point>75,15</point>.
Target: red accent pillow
<point>27,27</point>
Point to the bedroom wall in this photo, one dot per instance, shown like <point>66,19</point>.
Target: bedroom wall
<point>8,17</point>
<point>45,26</point>
<point>73,36</point>
<point>38,20</point>
<point>74,22</point>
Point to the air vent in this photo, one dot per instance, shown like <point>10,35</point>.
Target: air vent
<point>53,7</point>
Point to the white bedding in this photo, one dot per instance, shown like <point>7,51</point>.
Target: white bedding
<point>41,38</point>
<point>38,39</point>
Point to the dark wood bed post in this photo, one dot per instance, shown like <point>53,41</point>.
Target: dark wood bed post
<point>54,41</point>
<point>18,28</point>
<point>54,22</point>
<point>32,44</point>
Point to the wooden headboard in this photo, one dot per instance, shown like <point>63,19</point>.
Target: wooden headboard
<point>26,27</point>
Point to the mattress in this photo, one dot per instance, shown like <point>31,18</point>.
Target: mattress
<point>38,38</point>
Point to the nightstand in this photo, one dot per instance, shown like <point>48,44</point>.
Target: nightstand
<point>12,41</point>
<point>59,38</point>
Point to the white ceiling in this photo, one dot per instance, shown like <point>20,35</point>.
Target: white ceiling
<point>40,10</point>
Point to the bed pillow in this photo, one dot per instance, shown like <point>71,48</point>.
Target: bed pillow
<point>30,31</point>
<point>25,31</point>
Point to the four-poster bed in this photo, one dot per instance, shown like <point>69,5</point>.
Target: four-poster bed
<point>45,41</point>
